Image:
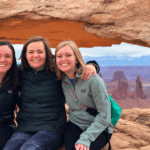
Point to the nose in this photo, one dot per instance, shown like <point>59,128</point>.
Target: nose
<point>2,59</point>
<point>35,54</point>
<point>63,58</point>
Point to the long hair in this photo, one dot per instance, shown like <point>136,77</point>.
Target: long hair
<point>60,74</point>
<point>12,73</point>
<point>49,66</point>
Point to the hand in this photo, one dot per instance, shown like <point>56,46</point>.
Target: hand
<point>90,69</point>
<point>81,147</point>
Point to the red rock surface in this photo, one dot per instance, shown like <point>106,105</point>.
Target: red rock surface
<point>116,76</point>
<point>17,31</point>
<point>107,22</point>
<point>121,92</point>
<point>109,92</point>
<point>129,103</point>
<point>126,100</point>
<point>139,88</point>
<point>138,93</point>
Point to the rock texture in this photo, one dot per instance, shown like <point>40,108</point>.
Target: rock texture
<point>139,89</point>
<point>116,76</point>
<point>126,100</point>
<point>132,131</point>
<point>121,92</point>
<point>112,21</point>
<point>138,93</point>
<point>129,103</point>
<point>119,75</point>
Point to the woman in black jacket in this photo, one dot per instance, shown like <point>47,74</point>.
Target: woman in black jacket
<point>8,95</point>
<point>41,118</point>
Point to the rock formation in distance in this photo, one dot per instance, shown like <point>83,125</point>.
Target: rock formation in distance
<point>138,93</point>
<point>121,92</point>
<point>119,75</point>
<point>116,76</point>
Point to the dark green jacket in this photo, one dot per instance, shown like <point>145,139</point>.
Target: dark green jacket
<point>41,103</point>
<point>7,104</point>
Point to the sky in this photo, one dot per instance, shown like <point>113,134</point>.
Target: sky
<point>117,55</point>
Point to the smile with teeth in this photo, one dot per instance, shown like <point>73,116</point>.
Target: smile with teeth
<point>64,64</point>
<point>36,60</point>
<point>2,65</point>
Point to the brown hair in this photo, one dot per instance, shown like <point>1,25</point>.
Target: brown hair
<point>49,66</point>
<point>12,73</point>
<point>77,53</point>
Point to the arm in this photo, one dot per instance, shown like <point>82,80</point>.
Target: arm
<point>92,67</point>
<point>102,120</point>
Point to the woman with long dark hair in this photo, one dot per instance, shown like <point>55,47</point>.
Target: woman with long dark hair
<point>8,92</point>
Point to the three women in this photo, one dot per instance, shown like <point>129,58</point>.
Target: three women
<point>41,118</point>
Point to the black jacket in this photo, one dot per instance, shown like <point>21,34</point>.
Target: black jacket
<point>8,98</point>
<point>41,102</point>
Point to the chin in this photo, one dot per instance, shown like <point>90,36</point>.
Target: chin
<point>4,70</point>
<point>36,66</point>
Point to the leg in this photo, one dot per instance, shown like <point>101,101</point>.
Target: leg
<point>5,134</point>
<point>16,141</point>
<point>100,142</point>
<point>72,134</point>
<point>42,140</point>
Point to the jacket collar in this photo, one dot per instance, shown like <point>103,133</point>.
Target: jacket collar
<point>37,69</point>
<point>77,78</point>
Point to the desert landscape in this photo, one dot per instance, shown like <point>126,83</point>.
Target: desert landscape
<point>128,93</point>
<point>94,23</point>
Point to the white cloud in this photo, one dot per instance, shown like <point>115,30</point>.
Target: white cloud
<point>115,50</point>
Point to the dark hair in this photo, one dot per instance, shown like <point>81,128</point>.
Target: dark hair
<point>49,66</point>
<point>12,73</point>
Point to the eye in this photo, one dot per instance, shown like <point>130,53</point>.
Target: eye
<point>68,55</point>
<point>7,56</point>
<point>59,56</point>
<point>40,52</point>
<point>30,52</point>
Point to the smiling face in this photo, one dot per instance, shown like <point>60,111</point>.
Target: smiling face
<point>66,61</point>
<point>6,59</point>
<point>36,54</point>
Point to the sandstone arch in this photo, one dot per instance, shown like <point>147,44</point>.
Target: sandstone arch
<point>89,22</point>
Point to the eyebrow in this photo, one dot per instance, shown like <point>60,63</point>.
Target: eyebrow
<point>66,53</point>
<point>37,50</point>
<point>6,54</point>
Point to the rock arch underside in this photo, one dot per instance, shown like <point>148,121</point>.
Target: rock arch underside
<point>88,22</point>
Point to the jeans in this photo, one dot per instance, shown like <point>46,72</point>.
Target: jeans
<point>42,140</point>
